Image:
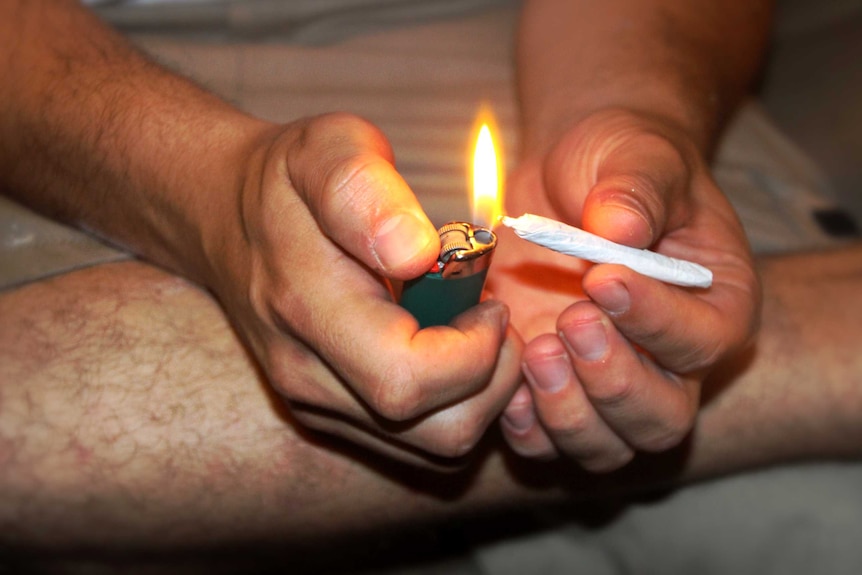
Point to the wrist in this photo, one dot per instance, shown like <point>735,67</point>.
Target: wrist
<point>689,64</point>
<point>696,118</point>
<point>218,214</point>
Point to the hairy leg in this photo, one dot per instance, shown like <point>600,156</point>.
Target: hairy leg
<point>131,418</point>
<point>798,394</point>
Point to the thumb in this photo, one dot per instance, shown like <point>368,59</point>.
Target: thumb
<point>341,167</point>
<point>641,186</point>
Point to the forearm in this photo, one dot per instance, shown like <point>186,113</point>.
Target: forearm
<point>95,133</point>
<point>687,62</point>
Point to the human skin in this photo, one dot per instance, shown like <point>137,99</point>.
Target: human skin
<point>134,419</point>
<point>621,104</point>
<point>295,228</point>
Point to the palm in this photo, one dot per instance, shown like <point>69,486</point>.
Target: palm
<point>536,283</point>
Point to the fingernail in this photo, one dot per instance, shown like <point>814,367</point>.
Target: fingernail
<point>519,417</point>
<point>399,240</point>
<point>632,205</point>
<point>613,297</point>
<point>589,340</point>
<point>550,373</point>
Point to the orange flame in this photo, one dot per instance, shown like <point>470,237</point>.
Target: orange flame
<point>487,181</point>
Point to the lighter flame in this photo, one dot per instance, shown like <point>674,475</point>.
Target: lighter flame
<point>487,175</point>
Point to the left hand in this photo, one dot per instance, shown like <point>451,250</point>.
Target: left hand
<point>615,360</point>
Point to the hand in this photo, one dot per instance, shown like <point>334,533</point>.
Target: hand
<point>619,370</point>
<point>323,220</point>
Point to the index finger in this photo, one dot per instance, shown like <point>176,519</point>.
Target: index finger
<point>404,372</point>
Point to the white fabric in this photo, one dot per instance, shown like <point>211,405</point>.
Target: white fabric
<point>33,247</point>
<point>775,188</point>
<point>299,21</point>
<point>799,520</point>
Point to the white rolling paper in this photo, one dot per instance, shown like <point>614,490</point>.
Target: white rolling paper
<point>573,241</point>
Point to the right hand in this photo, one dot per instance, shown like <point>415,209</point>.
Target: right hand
<point>300,261</point>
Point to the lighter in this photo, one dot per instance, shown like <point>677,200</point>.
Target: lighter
<point>455,283</point>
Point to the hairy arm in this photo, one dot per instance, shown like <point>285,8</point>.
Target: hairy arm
<point>99,135</point>
<point>148,427</point>
<point>294,228</point>
<point>686,62</point>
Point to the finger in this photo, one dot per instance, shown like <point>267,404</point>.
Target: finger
<point>331,423</point>
<point>523,431</point>
<point>382,364</point>
<point>342,168</point>
<point>649,408</point>
<point>566,413</point>
<point>334,306</point>
<point>409,372</point>
<point>449,433</point>
<point>457,428</point>
<point>684,330</point>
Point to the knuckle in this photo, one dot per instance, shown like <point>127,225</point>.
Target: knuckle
<point>670,432</point>
<point>459,437</point>
<point>288,371</point>
<point>285,314</point>
<point>348,123</point>
<point>321,132</point>
<point>345,186</point>
<point>397,396</point>
<point>661,147</point>
<point>318,129</point>
<point>612,392</point>
<point>569,422</point>
<point>343,150</point>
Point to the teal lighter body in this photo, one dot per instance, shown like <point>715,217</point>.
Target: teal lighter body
<point>455,283</point>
